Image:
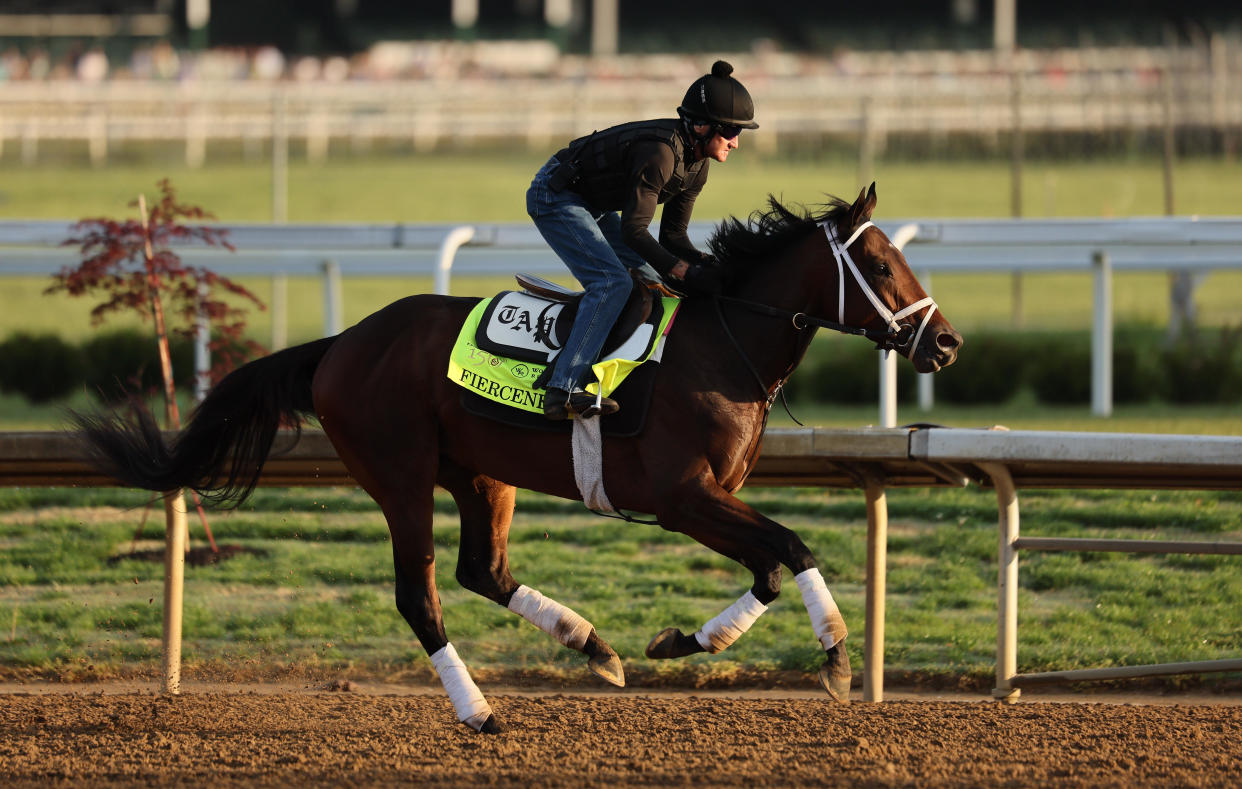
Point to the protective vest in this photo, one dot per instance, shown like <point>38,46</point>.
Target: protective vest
<point>607,168</point>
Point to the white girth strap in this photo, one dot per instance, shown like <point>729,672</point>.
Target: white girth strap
<point>729,625</point>
<point>588,457</point>
<point>472,709</point>
<point>841,252</point>
<point>826,619</point>
<point>558,621</point>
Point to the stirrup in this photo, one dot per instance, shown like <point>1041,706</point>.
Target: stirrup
<point>585,405</point>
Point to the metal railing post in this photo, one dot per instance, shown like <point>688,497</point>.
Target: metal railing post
<point>280,311</point>
<point>202,348</point>
<point>888,362</point>
<point>333,322</point>
<point>888,389</point>
<point>1006,582</point>
<point>1102,336</point>
<point>455,239</point>
<point>174,588</point>
<point>877,579</point>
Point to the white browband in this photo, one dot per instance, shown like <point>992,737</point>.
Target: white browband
<point>841,251</point>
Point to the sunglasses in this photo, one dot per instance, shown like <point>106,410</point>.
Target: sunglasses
<point>728,132</point>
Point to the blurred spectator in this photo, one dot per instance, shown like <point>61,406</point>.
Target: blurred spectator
<point>336,69</point>
<point>13,66</point>
<point>307,69</point>
<point>92,66</point>
<point>268,63</point>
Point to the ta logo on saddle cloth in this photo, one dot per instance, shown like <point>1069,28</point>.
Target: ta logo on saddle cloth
<point>508,340</point>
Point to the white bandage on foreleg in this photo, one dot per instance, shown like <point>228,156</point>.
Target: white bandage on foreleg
<point>826,618</point>
<point>472,708</point>
<point>729,625</point>
<point>551,617</point>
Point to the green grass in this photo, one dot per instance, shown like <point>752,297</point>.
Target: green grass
<point>487,187</point>
<point>319,597</point>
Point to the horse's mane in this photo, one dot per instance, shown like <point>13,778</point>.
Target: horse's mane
<point>741,244</point>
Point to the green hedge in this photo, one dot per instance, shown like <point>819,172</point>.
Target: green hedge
<point>111,366</point>
<point>992,368</point>
<point>39,367</point>
<point>121,363</point>
<point>1056,366</point>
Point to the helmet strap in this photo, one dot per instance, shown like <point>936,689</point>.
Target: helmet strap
<point>699,140</point>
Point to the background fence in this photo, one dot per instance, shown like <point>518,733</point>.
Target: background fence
<point>1092,247</point>
<point>871,99</point>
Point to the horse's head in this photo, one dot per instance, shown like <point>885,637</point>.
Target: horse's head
<point>876,290</point>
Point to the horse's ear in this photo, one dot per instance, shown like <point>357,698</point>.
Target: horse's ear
<point>861,210</point>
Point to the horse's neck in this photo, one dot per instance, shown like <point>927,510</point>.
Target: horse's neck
<point>772,343</point>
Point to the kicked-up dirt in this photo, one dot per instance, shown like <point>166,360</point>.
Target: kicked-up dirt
<point>85,738</point>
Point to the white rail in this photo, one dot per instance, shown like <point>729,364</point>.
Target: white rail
<point>1090,246</point>
<point>1009,458</point>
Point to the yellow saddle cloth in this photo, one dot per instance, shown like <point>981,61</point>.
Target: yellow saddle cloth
<point>508,381</point>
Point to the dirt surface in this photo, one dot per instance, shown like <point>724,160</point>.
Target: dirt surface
<point>368,736</point>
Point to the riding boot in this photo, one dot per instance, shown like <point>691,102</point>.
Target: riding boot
<point>559,404</point>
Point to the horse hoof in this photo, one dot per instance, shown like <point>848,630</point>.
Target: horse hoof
<point>608,668</point>
<point>835,675</point>
<point>672,643</point>
<point>603,661</point>
<point>489,726</point>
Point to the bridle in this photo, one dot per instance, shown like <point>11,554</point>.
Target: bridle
<point>898,336</point>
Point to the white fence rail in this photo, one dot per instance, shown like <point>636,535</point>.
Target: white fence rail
<point>1009,459</point>
<point>1088,246</point>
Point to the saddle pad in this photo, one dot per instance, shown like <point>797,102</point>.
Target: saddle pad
<point>635,394</point>
<point>507,380</point>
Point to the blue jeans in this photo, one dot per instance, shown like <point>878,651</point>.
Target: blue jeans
<point>589,242</point>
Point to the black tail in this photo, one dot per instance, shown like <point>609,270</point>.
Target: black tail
<point>229,437</point>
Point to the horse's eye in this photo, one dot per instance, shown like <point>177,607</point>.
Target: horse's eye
<point>882,270</point>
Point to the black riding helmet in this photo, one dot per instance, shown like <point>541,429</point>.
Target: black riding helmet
<point>719,99</point>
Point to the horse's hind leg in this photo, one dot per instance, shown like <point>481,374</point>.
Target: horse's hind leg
<point>402,481</point>
<point>486,507</point>
<point>419,603</point>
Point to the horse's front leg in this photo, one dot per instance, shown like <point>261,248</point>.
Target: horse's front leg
<point>729,526</point>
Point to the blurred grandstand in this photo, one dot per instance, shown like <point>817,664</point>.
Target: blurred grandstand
<point>921,77</point>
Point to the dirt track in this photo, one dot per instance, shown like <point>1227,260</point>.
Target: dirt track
<point>368,738</point>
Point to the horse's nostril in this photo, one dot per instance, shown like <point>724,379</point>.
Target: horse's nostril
<point>948,340</point>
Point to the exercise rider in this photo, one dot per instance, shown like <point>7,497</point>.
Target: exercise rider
<point>593,202</point>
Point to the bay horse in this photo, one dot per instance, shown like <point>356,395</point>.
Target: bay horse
<point>380,392</point>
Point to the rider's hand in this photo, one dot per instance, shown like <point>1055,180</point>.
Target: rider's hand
<point>646,275</point>
<point>649,278</point>
<point>702,280</point>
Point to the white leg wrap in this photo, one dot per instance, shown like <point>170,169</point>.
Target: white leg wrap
<point>551,617</point>
<point>472,708</point>
<point>826,618</point>
<point>730,624</point>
